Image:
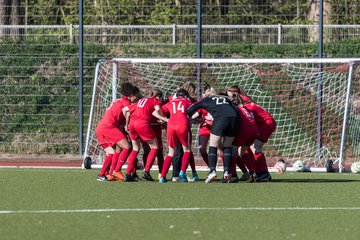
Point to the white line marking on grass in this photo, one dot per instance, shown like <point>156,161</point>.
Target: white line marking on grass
<point>181,209</point>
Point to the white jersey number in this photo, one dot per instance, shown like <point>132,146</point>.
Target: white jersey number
<point>220,100</point>
<point>141,102</point>
<point>180,107</point>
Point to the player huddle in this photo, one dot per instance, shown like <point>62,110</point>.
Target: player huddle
<point>232,125</point>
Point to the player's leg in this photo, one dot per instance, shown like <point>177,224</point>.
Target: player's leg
<point>262,174</point>
<point>154,147</point>
<point>132,159</point>
<point>107,143</point>
<point>214,143</point>
<point>176,161</point>
<point>160,153</point>
<point>203,141</point>
<point>227,147</point>
<point>103,174</point>
<point>166,166</point>
<point>146,151</point>
<point>124,148</point>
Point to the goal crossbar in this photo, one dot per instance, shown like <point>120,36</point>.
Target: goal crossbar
<point>244,61</point>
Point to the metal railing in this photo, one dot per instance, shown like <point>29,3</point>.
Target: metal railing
<point>179,34</point>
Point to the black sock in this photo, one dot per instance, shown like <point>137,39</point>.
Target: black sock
<point>227,158</point>
<point>212,158</point>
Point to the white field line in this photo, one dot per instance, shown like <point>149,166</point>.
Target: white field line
<point>107,210</point>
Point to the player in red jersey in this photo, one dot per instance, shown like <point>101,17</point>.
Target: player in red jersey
<point>178,130</point>
<point>138,124</point>
<point>111,135</point>
<point>177,158</point>
<point>204,133</point>
<point>245,137</point>
<point>266,126</point>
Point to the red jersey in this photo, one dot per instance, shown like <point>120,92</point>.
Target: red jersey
<point>178,127</point>
<point>262,117</point>
<point>177,109</point>
<point>264,121</point>
<point>205,127</point>
<point>113,116</point>
<point>248,129</point>
<point>143,109</point>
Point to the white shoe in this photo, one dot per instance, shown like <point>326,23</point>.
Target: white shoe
<point>210,177</point>
<point>227,176</point>
<point>175,179</point>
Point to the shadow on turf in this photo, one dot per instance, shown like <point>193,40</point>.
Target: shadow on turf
<point>314,180</point>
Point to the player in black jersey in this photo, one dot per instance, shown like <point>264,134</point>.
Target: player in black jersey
<point>223,130</point>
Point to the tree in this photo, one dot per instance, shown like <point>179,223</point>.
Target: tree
<point>313,17</point>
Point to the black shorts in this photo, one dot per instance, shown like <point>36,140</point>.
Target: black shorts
<point>227,126</point>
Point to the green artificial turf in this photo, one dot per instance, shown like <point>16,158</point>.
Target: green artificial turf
<point>71,204</point>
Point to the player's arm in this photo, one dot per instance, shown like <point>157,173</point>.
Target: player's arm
<point>193,108</point>
<point>126,112</point>
<point>159,114</point>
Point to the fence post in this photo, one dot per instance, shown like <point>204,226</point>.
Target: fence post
<point>174,34</point>
<point>279,34</point>
<point>71,33</point>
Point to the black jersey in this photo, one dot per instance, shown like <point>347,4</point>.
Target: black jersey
<point>217,106</point>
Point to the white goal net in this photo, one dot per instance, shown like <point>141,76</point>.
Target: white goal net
<point>313,101</point>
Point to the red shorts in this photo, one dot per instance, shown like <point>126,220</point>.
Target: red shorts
<point>108,136</point>
<point>178,132</point>
<point>205,130</point>
<point>141,129</point>
<point>246,136</point>
<point>265,131</point>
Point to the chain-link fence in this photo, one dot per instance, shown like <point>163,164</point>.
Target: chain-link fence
<point>180,34</point>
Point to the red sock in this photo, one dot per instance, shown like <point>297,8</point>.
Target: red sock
<point>135,168</point>
<point>185,161</point>
<point>150,159</point>
<point>249,160</point>
<point>166,166</point>
<point>240,164</point>
<point>131,162</point>
<point>260,162</point>
<point>106,164</point>
<point>113,162</point>
<point>221,156</point>
<point>121,159</point>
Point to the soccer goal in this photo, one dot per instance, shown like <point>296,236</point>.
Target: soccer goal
<point>312,100</point>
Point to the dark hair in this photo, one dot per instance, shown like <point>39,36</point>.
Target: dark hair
<point>182,93</point>
<point>156,93</point>
<point>127,89</point>
<point>245,98</point>
<point>233,89</point>
<point>137,92</point>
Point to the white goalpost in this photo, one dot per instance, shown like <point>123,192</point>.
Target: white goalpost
<point>312,101</point>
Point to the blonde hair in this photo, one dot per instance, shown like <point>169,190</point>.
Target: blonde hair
<point>210,92</point>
